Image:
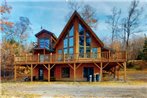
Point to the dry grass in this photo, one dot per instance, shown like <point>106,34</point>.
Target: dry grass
<point>17,89</point>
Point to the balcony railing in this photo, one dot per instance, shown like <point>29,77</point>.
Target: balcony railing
<point>51,58</point>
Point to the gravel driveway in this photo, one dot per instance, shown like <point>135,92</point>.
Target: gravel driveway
<point>79,90</point>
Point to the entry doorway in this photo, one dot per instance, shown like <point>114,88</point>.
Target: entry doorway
<point>87,72</point>
<point>41,74</point>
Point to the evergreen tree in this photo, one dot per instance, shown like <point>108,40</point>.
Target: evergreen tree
<point>145,50</point>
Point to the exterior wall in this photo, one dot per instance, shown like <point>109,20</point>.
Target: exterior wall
<point>79,72</point>
<point>36,72</point>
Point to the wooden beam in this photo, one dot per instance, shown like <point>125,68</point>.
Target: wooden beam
<point>15,71</point>
<point>120,65</point>
<point>101,71</point>
<point>105,65</point>
<point>28,67</point>
<point>74,72</point>
<point>117,72</point>
<point>31,72</point>
<point>35,66</point>
<point>38,57</point>
<point>124,64</point>
<point>45,66</point>
<point>71,66</point>
<point>49,72</point>
<point>78,66</point>
<point>96,65</point>
<point>52,66</point>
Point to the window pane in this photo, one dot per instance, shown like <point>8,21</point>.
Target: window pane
<point>94,53</point>
<point>87,52</point>
<point>44,43</point>
<point>71,42</point>
<point>81,52</point>
<point>87,34</point>
<point>88,41</point>
<point>65,43</point>
<point>71,51</point>
<point>94,50</point>
<point>65,72</point>
<point>59,51</point>
<point>71,32</point>
<point>81,30</point>
<point>65,51</point>
<point>81,40</point>
<point>87,49</point>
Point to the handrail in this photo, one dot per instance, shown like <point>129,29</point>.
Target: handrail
<point>99,56</point>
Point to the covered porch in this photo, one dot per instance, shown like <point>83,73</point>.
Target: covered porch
<point>54,70</point>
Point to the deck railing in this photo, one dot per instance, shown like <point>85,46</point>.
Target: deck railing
<point>100,56</point>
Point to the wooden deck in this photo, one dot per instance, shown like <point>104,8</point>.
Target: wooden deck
<point>73,58</point>
<point>100,60</point>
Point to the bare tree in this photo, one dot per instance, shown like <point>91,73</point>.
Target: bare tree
<point>87,12</point>
<point>132,21</point>
<point>113,23</point>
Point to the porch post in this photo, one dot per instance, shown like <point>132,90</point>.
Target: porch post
<point>124,64</point>
<point>117,72</point>
<point>48,72</point>
<point>15,72</point>
<point>101,71</point>
<point>31,72</point>
<point>74,72</point>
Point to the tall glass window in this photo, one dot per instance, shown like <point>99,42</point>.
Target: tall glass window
<point>94,52</point>
<point>84,42</point>
<point>69,42</point>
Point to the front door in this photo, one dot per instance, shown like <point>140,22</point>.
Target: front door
<point>40,74</point>
<point>87,72</point>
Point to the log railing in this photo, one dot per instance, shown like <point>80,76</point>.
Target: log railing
<point>100,56</point>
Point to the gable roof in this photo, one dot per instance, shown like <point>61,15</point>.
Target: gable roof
<point>75,14</point>
<point>47,32</point>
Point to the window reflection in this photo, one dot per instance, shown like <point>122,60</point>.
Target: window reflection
<point>71,51</point>
<point>44,43</point>
<point>81,40</point>
<point>84,42</point>
<point>71,41</point>
<point>65,51</point>
<point>94,52</point>
<point>88,41</point>
<point>65,43</point>
<point>71,32</point>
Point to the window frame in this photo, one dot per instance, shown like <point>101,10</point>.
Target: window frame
<point>86,35</point>
<point>65,69</point>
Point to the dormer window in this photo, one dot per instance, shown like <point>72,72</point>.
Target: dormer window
<point>44,43</point>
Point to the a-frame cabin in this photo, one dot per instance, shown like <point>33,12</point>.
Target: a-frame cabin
<point>77,55</point>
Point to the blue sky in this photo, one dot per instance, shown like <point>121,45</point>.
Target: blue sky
<point>50,14</point>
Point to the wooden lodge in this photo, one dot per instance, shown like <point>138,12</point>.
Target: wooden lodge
<point>74,56</point>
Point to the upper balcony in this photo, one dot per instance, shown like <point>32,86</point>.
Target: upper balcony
<point>64,58</point>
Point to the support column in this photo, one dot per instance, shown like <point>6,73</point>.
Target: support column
<point>117,72</point>
<point>15,71</point>
<point>49,72</point>
<point>124,64</point>
<point>101,71</point>
<point>31,72</point>
<point>74,72</point>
